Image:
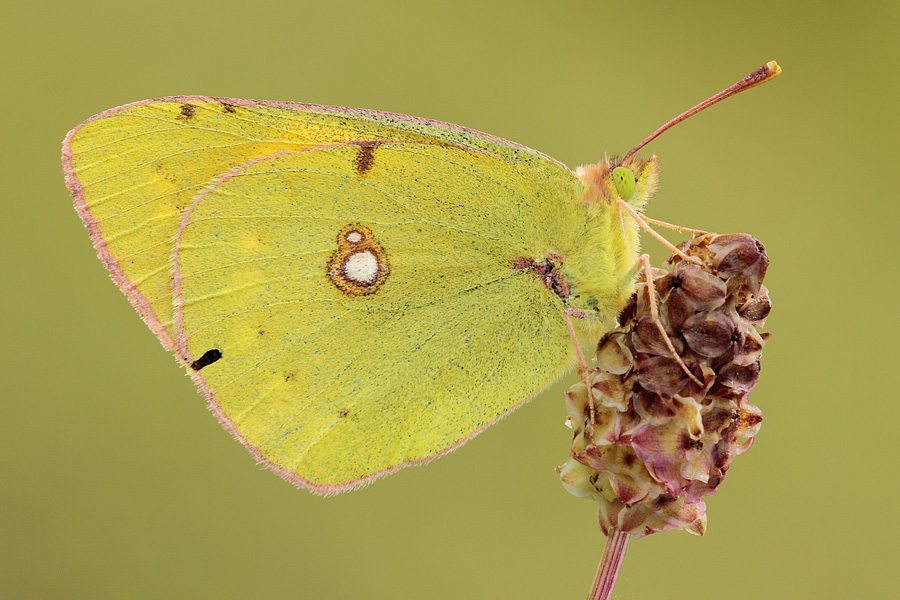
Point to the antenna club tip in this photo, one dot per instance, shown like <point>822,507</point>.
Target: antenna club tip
<point>768,71</point>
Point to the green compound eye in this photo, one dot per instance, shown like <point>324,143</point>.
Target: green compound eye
<point>623,178</point>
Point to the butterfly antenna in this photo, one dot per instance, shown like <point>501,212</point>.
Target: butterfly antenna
<point>768,71</point>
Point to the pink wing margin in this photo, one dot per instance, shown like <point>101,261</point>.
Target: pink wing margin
<point>137,299</point>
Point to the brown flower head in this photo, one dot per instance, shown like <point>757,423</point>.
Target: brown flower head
<point>658,442</point>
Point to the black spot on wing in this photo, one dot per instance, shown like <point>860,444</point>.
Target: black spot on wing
<point>187,111</point>
<point>365,157</point>
<point>548,271</point>
<point>208,358</point>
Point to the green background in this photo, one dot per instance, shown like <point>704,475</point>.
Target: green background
<point>116,482</point>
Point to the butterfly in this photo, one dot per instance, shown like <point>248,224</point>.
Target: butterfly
<point>354,291</point>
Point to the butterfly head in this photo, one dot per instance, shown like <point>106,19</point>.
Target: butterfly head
<point>633,179</point>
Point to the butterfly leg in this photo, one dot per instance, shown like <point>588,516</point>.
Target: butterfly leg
<point>584,370</point>
<point>646,227</point>
<point>673,227</point>
<point>654,315</point>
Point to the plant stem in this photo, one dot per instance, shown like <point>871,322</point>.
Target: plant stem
<point>608,569</point>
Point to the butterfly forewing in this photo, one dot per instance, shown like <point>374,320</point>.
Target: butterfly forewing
<point>133,170</point>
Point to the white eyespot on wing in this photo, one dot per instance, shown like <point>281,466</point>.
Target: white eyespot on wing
<point>361,267</point>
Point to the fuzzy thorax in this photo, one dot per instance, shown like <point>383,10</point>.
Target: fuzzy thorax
<point>602,268</point>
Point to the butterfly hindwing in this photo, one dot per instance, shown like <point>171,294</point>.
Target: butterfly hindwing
<point>334,385</point>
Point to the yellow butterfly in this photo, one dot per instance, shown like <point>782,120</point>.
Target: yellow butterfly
<point>353,291</point>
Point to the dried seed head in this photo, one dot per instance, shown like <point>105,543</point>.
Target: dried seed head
<point>659,442</point>
<point>710,334</point>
